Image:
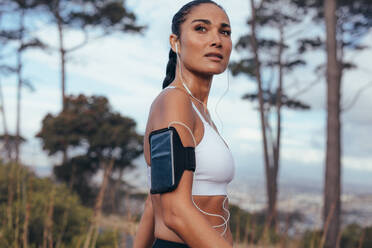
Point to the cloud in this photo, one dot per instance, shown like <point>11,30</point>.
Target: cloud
<point>248,134</point>
<point>129,70</point>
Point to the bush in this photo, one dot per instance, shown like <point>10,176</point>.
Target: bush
<point>107,239</point>
<point>251,226</point>
<point>311,239</point>
<point>352,235</point>
<point>38,193</point>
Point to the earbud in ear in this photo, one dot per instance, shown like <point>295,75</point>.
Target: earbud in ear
<point>176,48</point>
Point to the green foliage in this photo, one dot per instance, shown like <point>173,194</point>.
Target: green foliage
<point>279,17</point>
<point>78,217</point>
<point>352,236</point>
<point>354,20</point>
<point>89,126</point>
<point>311,239</point>
<point>107,239</point>
<point>250,226</point>
<point>109,16</point>
<point>81,170</point>
<point>38,194</point>
<point>271,99</point>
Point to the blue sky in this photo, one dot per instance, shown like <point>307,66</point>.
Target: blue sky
<point>129,71</point>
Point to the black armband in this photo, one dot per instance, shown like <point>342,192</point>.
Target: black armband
<point>169,159</point>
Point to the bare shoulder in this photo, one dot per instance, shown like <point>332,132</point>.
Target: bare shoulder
<point>172,95</point>
<point>173,106</point>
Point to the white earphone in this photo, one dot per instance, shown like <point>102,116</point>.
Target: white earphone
<point>225,220</point>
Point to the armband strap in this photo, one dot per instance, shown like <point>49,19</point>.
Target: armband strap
<point>169,159</point>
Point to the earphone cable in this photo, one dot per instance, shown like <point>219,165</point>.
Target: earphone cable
<point>187,89</point>
<point>215,108</point>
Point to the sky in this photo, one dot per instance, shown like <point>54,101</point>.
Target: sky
<point>129,70</point>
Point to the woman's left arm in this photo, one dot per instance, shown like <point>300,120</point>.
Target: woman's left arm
<point>145,232</point>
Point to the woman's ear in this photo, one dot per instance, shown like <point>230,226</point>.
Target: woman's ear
<point>173,40</point>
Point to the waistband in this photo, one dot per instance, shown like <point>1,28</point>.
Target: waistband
<point>161,243</point>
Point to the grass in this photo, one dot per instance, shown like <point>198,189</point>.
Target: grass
<point>32,214</point>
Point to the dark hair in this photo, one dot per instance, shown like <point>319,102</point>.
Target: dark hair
<point>177,20</point>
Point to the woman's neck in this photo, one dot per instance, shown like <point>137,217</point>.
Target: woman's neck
<point>198,84</point>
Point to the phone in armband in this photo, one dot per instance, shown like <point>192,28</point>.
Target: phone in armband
<point>169,159</point>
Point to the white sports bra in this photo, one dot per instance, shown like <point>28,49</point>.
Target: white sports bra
<point>214,162</point>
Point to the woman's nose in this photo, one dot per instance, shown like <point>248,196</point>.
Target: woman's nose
<point>216,39</point>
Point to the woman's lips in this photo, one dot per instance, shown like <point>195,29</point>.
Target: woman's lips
<point>214,56</point>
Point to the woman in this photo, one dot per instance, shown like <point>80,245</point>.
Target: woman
<point>196,213</point>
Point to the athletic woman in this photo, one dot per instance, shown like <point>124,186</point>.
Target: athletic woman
<point>196,213</point>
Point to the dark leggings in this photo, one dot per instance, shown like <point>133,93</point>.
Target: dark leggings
<point>161,243</point>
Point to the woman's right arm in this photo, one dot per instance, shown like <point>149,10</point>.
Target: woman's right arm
<point>179,212</point>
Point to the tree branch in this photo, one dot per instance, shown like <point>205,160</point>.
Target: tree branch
<point>86,41</point>
<point>356,97</point>
<point>83,43</point>
<point>308,87</point>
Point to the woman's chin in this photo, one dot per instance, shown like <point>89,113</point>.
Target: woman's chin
<point>213,71</point>
<point>217,71</point>
<point>209,71</point>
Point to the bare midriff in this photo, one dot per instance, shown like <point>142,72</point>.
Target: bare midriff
<point>210,204</point>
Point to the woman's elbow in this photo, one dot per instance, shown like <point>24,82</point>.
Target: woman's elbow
<point>173,215</point>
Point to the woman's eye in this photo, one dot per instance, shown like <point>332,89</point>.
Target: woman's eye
<point>226,32</point>
<point>200,28</point>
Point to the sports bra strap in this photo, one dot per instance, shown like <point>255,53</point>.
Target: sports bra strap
<point>197,111</point>
<point>193,105</point>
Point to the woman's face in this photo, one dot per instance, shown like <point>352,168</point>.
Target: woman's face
<point>205,42</point>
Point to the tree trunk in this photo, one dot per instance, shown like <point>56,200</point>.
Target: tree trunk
<point>19,87</point>
<point>5,126</point>
<point>67,210</point>
<point>279,104</point>
<point>270,179</point>
<point>18,130</point>
<point>91,238</point>
<point>10,197</point>
<point>48,225</point>
<point>272,197</point>
<point>18,121</point>
<point>62,51</point>
<point>25,225</point>
<point>332,187</point>
<point>276,144</point>
<point>17,204</point>
<point>27,194</point>
<point>114,191</point>
<point>10,174</point>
